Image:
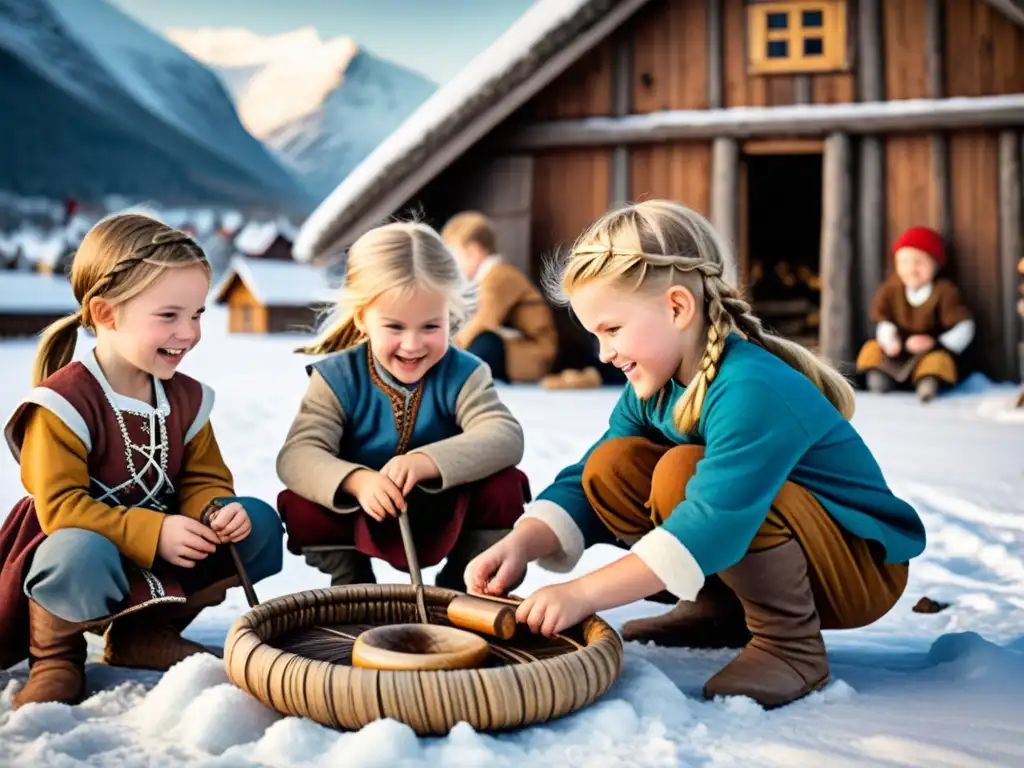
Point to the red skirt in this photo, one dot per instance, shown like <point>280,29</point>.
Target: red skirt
<point>436,520</point>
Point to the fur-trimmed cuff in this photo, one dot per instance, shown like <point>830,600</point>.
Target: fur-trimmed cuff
<point>664,554</point>
<point>569,535</point>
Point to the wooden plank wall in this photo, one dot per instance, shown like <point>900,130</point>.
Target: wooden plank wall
<point>583,90</point>
<point>984,56</point>
<point>570,190</point>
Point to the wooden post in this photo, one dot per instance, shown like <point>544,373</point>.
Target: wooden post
<point>622,104</point>
<point>725,171</point>
<point>871,246</point>
<point>716,98</point>
<point>934,41</point>
<point>725,152</point>
<point>1011,247</point>
<point>803,89</point>
<point>837,254</point>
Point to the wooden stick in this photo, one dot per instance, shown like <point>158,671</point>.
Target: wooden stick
<point>483,615</point>
<point>414,564</point>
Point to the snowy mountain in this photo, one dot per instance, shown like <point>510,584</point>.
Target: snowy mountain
<point>323,106</point>
<point>96,104</point>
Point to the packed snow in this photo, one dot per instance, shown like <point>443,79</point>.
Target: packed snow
<point>943,689</point>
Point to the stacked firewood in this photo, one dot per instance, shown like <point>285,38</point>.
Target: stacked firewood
<point>787,298</point>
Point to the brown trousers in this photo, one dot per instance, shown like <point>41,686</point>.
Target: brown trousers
<point>634,485</point>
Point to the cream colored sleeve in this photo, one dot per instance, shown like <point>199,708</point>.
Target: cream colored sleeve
<point>491,438</point>
<point>308,462</point>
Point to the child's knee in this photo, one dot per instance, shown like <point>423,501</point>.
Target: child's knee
<point>607,460</point>
<point>77,575</point>
<point>671,474</point>
<point>263,547</point>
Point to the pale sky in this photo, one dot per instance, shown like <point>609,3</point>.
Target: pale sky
<point>434,37</point>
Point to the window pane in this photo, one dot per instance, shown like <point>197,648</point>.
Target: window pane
<point>813,46</point>
<point>778,49</point>
<point>812,19</point>
<point>778,20</point>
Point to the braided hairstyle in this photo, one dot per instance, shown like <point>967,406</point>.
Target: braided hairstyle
<point>119,257</point>
<point>654,244</point>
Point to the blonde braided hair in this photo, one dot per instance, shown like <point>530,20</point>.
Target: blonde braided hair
<point>119,257</point>
<point>654,244</point>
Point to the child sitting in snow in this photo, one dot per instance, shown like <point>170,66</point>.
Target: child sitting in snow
<point>397,420</point>
<point>923,323</point>
<point>729,467</point>
<point>119,458</point>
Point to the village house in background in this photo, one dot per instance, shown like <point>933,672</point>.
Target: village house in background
<point>272,296</point>
<point>30,301</point>
<point>811,133</point>
<point>265,240</point>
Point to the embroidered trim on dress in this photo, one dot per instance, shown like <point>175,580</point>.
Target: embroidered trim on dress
<point>405,405</point>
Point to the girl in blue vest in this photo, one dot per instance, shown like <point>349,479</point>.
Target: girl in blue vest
<point>396,419</point>
<point>729,468</point>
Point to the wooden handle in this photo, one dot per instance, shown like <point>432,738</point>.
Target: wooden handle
<point>491,617</point>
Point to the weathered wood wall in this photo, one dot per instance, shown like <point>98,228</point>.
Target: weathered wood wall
<point>947,181</point>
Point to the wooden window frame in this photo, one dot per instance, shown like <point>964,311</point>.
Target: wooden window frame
<point>833,34</point>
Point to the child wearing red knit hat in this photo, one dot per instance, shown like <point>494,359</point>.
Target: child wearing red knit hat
<point>923,324</point>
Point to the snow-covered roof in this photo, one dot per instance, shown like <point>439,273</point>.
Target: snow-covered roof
<point>31,293</point>
<point>277,283</point>
<point>523,55</point>
<point>256,237</point>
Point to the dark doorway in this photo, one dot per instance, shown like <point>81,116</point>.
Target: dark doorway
<point>784,243</point>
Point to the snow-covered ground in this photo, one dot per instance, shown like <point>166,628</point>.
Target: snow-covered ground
<point>943,689</point>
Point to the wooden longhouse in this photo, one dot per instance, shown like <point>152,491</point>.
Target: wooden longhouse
<point>810,132</point>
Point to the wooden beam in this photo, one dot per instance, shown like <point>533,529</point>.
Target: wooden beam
<point>871,203</point>
<point>751,122</point>
<point>725,172</point>
<point>782,147</point>
<point>934,43</point>
<point>1011,247</point>
<point>870,51</point>
<point>837,254</point>
<point>715,85</point>
<point>622,104</point>
<point>803,89</point>
<point>1011,9</point>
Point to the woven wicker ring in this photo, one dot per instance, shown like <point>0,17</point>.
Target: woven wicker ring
<point>294,654</point>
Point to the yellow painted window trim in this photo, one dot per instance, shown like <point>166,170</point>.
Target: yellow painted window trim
<point>833,34</point>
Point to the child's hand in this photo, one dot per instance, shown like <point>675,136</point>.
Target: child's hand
<point>231,522</point>
<point>551,609</point>
<point>376,493</point>
<point>495,569</point>
<point>408,469</point>
<point>184,541</point>
<point>919,343</point>
<point>893,348</point>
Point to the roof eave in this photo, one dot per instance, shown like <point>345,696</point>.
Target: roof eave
<point>352,222</point>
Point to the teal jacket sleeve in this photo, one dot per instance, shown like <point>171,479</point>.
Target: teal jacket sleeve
<point>753,440</point>
<point>626,420</point>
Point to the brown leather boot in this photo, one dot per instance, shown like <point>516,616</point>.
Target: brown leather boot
<point>151,638</point>
<point>56,657</point>
<point>713,620</point>
<point>785,659</point>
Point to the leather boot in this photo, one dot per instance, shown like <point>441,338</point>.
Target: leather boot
<point>57,651</point>
<point>927,388</point>
<point>714,620</point>
<point>785,659</point>
<point>151,638</point>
